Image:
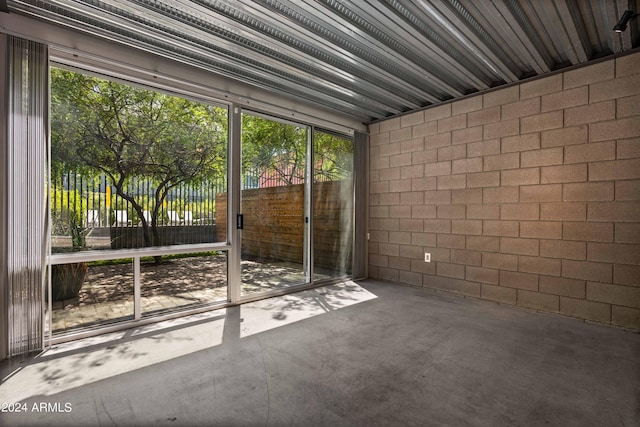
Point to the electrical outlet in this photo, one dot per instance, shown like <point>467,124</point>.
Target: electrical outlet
<point>427,257</point>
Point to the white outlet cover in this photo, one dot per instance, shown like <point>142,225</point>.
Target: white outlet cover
<point>427,257</point>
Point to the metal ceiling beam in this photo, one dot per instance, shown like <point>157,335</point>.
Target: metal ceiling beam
<point>393,36</point>
<point>111,55</point>
<point>549,29</point>
<point>362,59</point>
<point>459,27</point>
<point>573,34</point>
<point>362,48</point>
<point>391,46</point>
<point>509,32</point>
<point>260,60</point>
<point>329,52</point>
<point>517,27</point>
<point>495,33</point>
<point>254,65</point>
<point>486,34</point>
<point>325,47</point>
<point>591,15</point>
<point>160,38</point>
<point>429,34</point>
<point>296,52</point>
<point>323,44</point>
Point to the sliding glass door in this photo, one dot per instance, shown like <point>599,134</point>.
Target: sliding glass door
<point>274,218</point>
<point>141,186</point>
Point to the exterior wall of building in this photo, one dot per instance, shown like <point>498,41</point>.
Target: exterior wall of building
<point>528,195</point>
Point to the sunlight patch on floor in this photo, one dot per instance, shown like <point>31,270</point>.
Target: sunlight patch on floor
<point>74,364</point>
<point>275,312</point>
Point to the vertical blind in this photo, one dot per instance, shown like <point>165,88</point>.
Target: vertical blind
<point>26,201</point>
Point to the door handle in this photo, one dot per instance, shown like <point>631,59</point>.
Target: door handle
<point>240,221</point>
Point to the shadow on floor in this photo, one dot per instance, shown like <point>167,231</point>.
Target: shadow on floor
<point>404,356</point>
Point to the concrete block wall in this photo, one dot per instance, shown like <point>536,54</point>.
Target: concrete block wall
<point>528,195</point>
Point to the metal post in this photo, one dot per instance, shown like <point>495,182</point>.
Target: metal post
<point>234,235</point>
<point>308,209</point>
<point>137,311</point>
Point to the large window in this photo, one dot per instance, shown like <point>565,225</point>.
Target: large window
<point>133,168</point>
<point>139,203</point>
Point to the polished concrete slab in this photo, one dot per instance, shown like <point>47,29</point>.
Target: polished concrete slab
<point>355,354</point>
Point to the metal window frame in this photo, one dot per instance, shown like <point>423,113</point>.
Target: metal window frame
<point>308,211</point>
<point>307,248</point>
<point>234,188</point>
<point>127,76</point>
<point>233,244</point>
<point>69,49</point>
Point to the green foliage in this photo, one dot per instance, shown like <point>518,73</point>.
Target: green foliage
<point>66,217</point>
<point>333,157</point>
<point>273,148</point>
<point>277,149</point>
<point>129,133</point>
<point>139,137</point>
<point>67,280</point>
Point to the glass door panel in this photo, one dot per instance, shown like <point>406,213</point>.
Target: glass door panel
<point>332,206</point>
<point>88,294</point>
<point>272,203</point>
<point>182,281</point>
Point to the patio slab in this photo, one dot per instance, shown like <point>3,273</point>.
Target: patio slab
<point>107,295</point>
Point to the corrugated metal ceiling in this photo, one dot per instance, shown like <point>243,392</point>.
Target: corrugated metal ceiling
<point>366,59</point>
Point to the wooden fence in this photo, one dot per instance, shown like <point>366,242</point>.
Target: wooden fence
<point>274,223</point>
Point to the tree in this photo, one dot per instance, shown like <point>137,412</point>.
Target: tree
<point>333,157</point>
<point>274,150</point>
<point>130,133</point>
<point>278,150</point>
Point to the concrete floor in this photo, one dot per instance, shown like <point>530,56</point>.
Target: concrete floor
<point>356,354</point>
